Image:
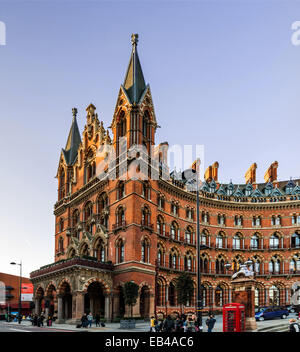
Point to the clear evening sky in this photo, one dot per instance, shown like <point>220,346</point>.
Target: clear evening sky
<point>222,73</point>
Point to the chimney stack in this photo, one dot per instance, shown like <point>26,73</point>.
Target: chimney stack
<point>211,172</point>
<point>250,175</point>
<point>271,173</point>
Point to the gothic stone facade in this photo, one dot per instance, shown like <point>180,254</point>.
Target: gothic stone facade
<point>110,231</point>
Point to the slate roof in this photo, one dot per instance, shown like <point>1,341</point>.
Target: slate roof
<point>73,142</point>
<point>134,82</point>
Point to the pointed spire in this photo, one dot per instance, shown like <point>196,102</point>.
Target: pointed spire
<point>73,141</point>
<point>134,82</point>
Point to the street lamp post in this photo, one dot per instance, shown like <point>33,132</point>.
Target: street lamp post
<point>20,290</point>
<point>199,288</point>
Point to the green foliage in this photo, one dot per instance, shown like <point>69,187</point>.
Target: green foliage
<point>131,292</point>
<point>184,288</point>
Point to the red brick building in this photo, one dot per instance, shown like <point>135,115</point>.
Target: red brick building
<point>112,227</point>
<point>12,294</point>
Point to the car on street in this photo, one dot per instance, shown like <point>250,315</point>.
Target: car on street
<point>265,313</point>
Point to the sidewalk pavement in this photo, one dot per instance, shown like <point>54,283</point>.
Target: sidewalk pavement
<point>109,327</point>
<point>141,326</point>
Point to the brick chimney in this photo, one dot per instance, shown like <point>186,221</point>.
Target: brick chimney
<point>271,173</point>
<point>211,172</point>
<point>250,175</point>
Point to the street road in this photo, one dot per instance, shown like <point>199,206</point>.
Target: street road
<point>5,327</point>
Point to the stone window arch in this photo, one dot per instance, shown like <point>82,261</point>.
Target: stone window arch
<point>161,226</point>
<point>120,251</point>
<point>145,246</point>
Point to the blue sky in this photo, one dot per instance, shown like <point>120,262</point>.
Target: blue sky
<point>222,73</point>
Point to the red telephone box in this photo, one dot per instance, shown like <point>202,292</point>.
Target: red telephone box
<point>233,317</point>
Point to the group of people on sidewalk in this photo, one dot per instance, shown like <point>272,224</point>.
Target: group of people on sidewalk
<point>38,320</point>
<point>183,323</point>
<point>87,320</point>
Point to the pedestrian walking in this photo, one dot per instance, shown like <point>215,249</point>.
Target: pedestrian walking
<point>84,321</point>
<point>210,322</point>
<point>294,326</point>
<point>90,319</point>
<point>153,323</point>
<point>97,319</point>
<point>190,324</point>
<point>168,324</point>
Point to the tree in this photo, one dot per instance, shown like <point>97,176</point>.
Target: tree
<point>184,289</point>
<point>131,292</point>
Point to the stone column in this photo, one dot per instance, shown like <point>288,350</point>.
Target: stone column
<point>152,305</point>
<point>60,312</point>
<point>116,306</point>
<point>77,307</point>
<point>66,309</point>
<point>108,308</point>
<point>37,306</point>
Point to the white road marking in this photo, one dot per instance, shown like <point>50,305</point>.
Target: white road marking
<point>19,330</point>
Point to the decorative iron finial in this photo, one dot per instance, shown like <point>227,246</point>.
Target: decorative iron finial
<point>134,39</point>
<point>74,112</point>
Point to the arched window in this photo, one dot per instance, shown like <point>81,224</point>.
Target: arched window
<point>274,241</point>
<point>120,217</point>
<point>61,245</point>
<point>236,264</point>
<point>161,201</point>
<point>254,243</point>
<point>88,211</point>
<point>121,190</point>
<point>174,209</point>
<point>146,190</point>
<point>99,250</point>
<point>62,177</point>
<point>61,224</point>
<point>145,126</point>
<point>189,235</point>
<point>204,238</point>
<point>221,219</point>
<point>238,220</point>
<point>175,232</point>
<point>274,296</point>
<point>173,259</point>
<point>256,265</point>
<point>102,202</point>
<point>145,217</point>
<point>275,265</point>
<point>84,250</point>
<point>160,256</point>
<point>145,245</point>
<point>75,223</point>
<point>237,241</point>
<point>295,264</point>
<point>120,254</point>
<point>219,296</point>
<point>160,225</point>
<point>204,263</point>
<point>295,240</point>
<point>220,265</point>
<point>220,240</point>
<point>188,262</point>
<point>205,217</point>
<point>121,126</point>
